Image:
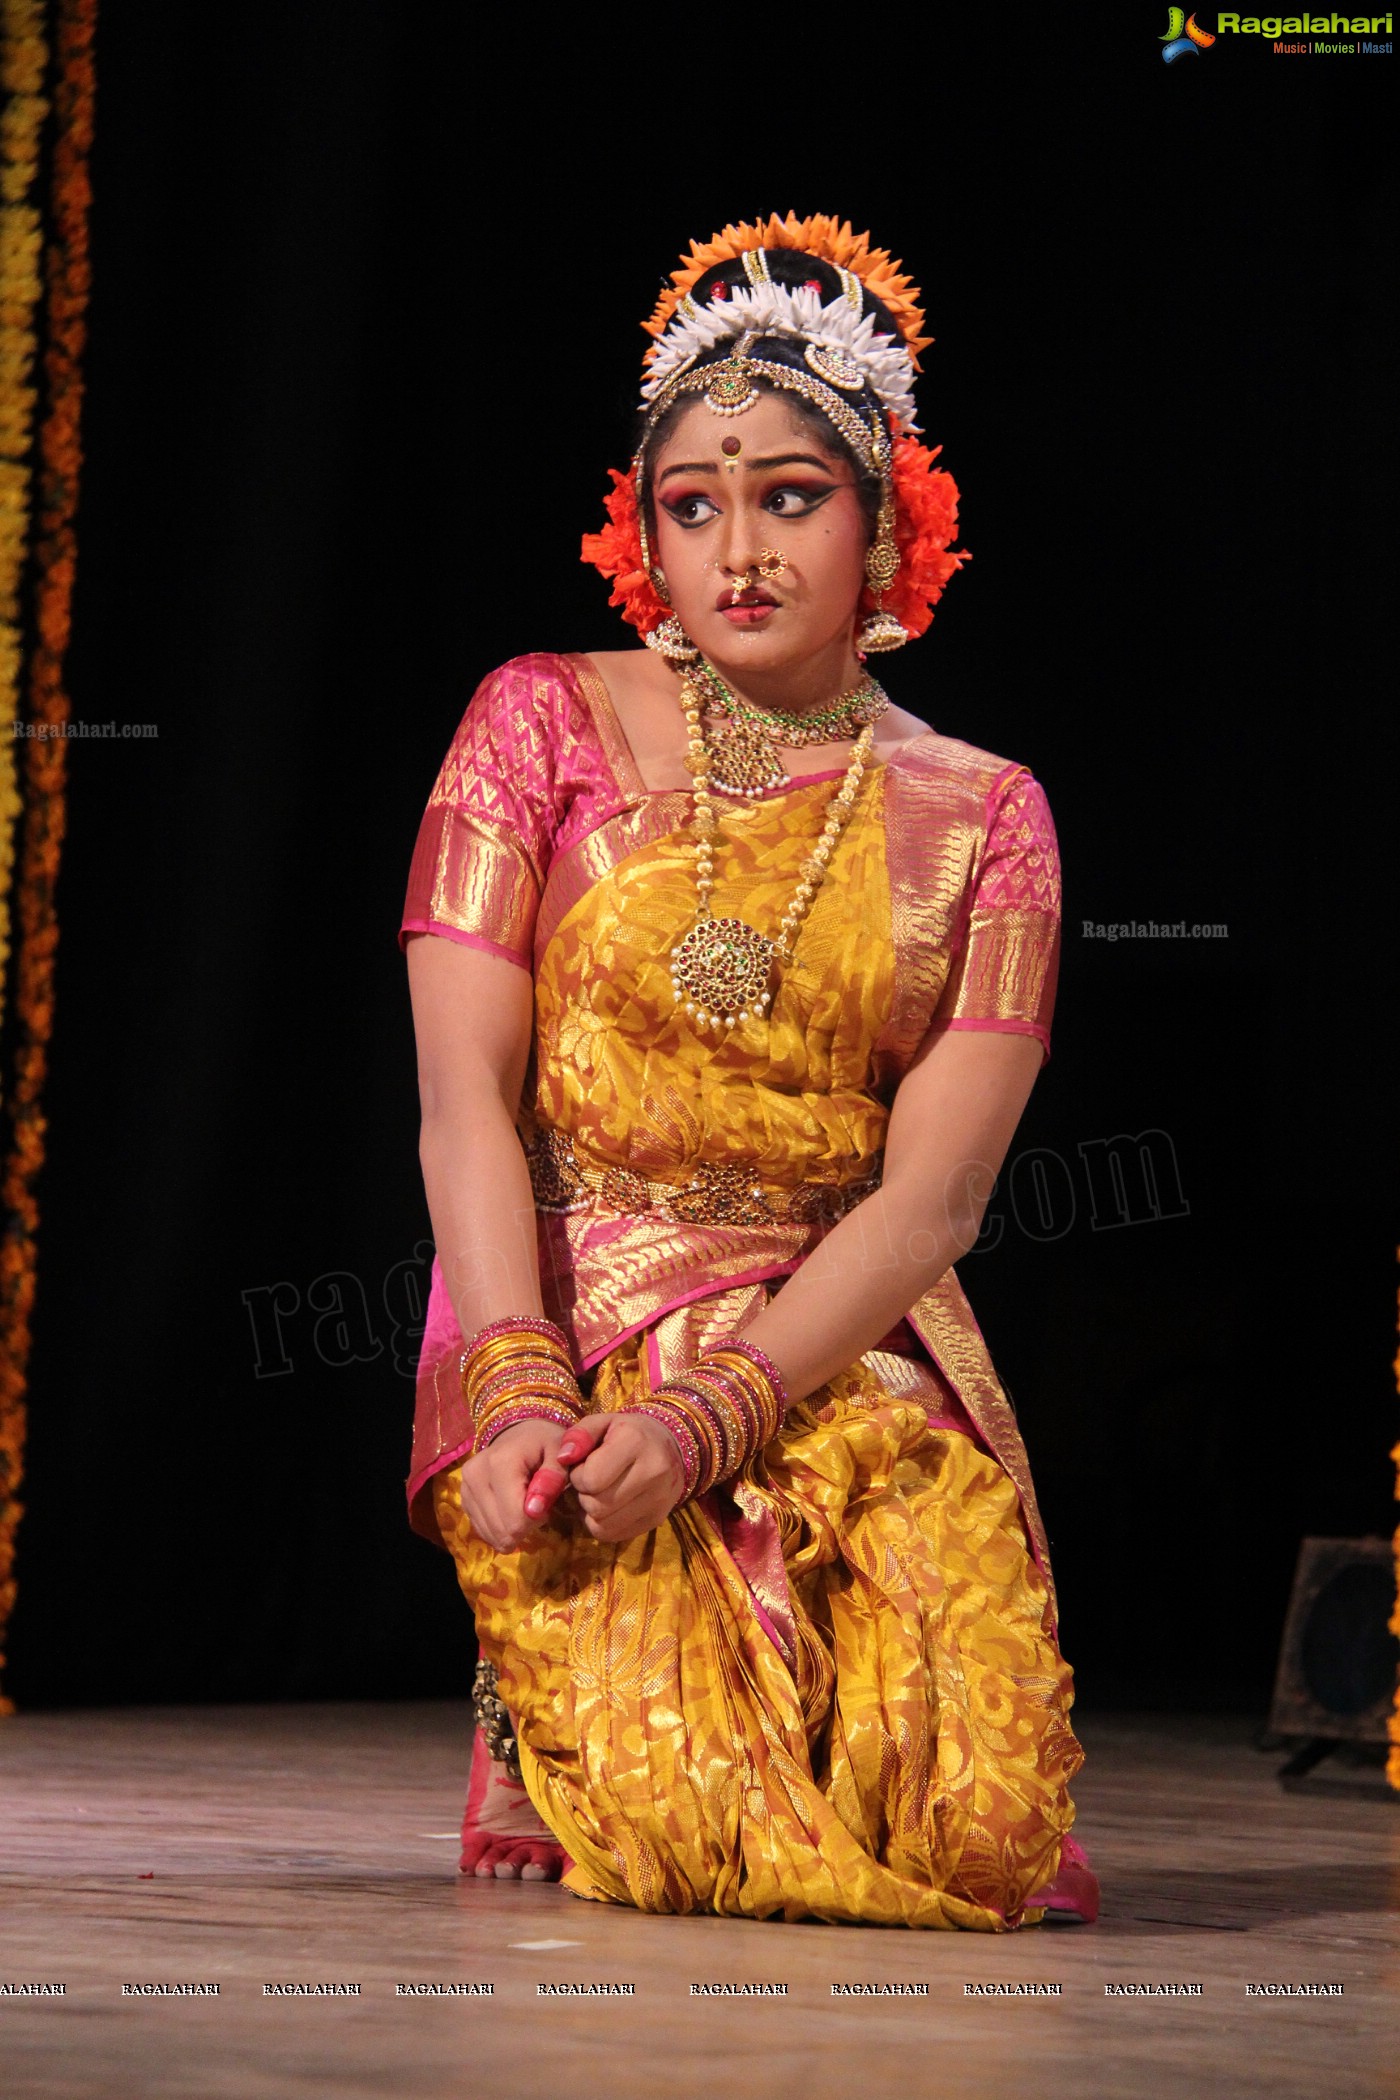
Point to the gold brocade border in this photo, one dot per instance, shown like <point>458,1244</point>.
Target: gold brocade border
<point>1012,972</point>
<point>935,831</point>
<point>945,1323</point>
<point>573,873</point>
<point>603,1276</point>
<point>679,1335</point>
<point>753,1538</point>
<point>53,552</point>
<point>611,735</point>
<point>470,872</point>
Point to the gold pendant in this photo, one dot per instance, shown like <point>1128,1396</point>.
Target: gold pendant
<point>743,760</point>
<point>722,968</point>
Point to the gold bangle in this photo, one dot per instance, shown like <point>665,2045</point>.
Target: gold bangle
<point>518,1368</point>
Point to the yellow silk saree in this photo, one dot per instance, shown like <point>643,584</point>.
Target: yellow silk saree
<point>831,1688</point>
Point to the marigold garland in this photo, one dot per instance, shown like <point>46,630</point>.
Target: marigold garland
<point>926,519</point>
<point>23,62</point>
<point>53,556</point>
<point>1392,1764</point>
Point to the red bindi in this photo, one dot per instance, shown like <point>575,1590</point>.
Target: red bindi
<point>731,447</point>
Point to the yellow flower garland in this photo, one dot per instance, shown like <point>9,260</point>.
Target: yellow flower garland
<point>27,259</point>
<point>23,62</point>
<point>1392,1766</point>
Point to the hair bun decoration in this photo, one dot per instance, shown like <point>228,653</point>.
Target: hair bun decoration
<point>829,240</point>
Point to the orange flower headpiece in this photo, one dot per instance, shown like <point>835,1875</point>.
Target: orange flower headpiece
<point>825,238</point>
<point>845,355</point>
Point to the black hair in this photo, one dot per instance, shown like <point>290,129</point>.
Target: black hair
<point>793,269</point>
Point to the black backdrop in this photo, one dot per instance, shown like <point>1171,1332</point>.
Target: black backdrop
<point>364,339</point>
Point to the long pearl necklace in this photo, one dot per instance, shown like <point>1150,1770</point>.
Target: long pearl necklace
<point>721,970</point>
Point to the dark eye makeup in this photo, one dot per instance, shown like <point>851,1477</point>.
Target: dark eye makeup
<point>688,508</point>
<point>789,499</point>
<point>805,498</point>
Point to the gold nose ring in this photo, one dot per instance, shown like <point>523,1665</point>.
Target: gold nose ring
<point>770,565</point>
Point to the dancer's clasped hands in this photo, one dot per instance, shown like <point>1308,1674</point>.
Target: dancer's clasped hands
<point>625,1469</point>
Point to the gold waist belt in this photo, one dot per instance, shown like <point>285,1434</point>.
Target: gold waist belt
<point>716,1193</point>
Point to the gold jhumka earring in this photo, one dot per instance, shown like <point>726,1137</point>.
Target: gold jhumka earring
<point>671,641</point>
<point>881,630</point>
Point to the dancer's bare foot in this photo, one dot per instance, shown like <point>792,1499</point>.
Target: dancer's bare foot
<point>1072,1898</point>
<point>502,1834</point>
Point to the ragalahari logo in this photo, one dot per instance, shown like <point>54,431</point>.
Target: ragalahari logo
<point>1183,36</point>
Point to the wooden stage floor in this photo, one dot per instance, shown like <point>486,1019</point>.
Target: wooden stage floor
<point>316,1845</point>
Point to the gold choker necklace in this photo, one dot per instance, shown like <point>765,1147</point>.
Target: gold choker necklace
<point>744,756</point>
<point>721,970</point>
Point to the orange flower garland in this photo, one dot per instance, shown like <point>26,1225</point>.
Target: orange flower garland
<point>926,519</point>
<point>67,279</point>
<point>616,553</point>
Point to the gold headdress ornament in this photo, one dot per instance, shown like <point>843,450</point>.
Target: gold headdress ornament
<point>830,240</point>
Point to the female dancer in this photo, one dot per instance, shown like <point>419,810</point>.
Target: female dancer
<point>719,1061</point>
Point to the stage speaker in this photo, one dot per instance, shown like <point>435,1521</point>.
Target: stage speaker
<point>1337,1666</point>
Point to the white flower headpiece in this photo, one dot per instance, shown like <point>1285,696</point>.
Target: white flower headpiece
<point>798,313</point>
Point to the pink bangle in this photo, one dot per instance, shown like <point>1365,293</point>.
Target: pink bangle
<point>725,1427</point>
<point>684,1439</point>
<point>765,1364</point>
<point>528,1411</point>
<point>517,1323</point>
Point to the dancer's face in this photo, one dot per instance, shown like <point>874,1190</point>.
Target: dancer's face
<point>720,515</point>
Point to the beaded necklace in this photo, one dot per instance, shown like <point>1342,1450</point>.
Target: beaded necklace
<point>721,969</point>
